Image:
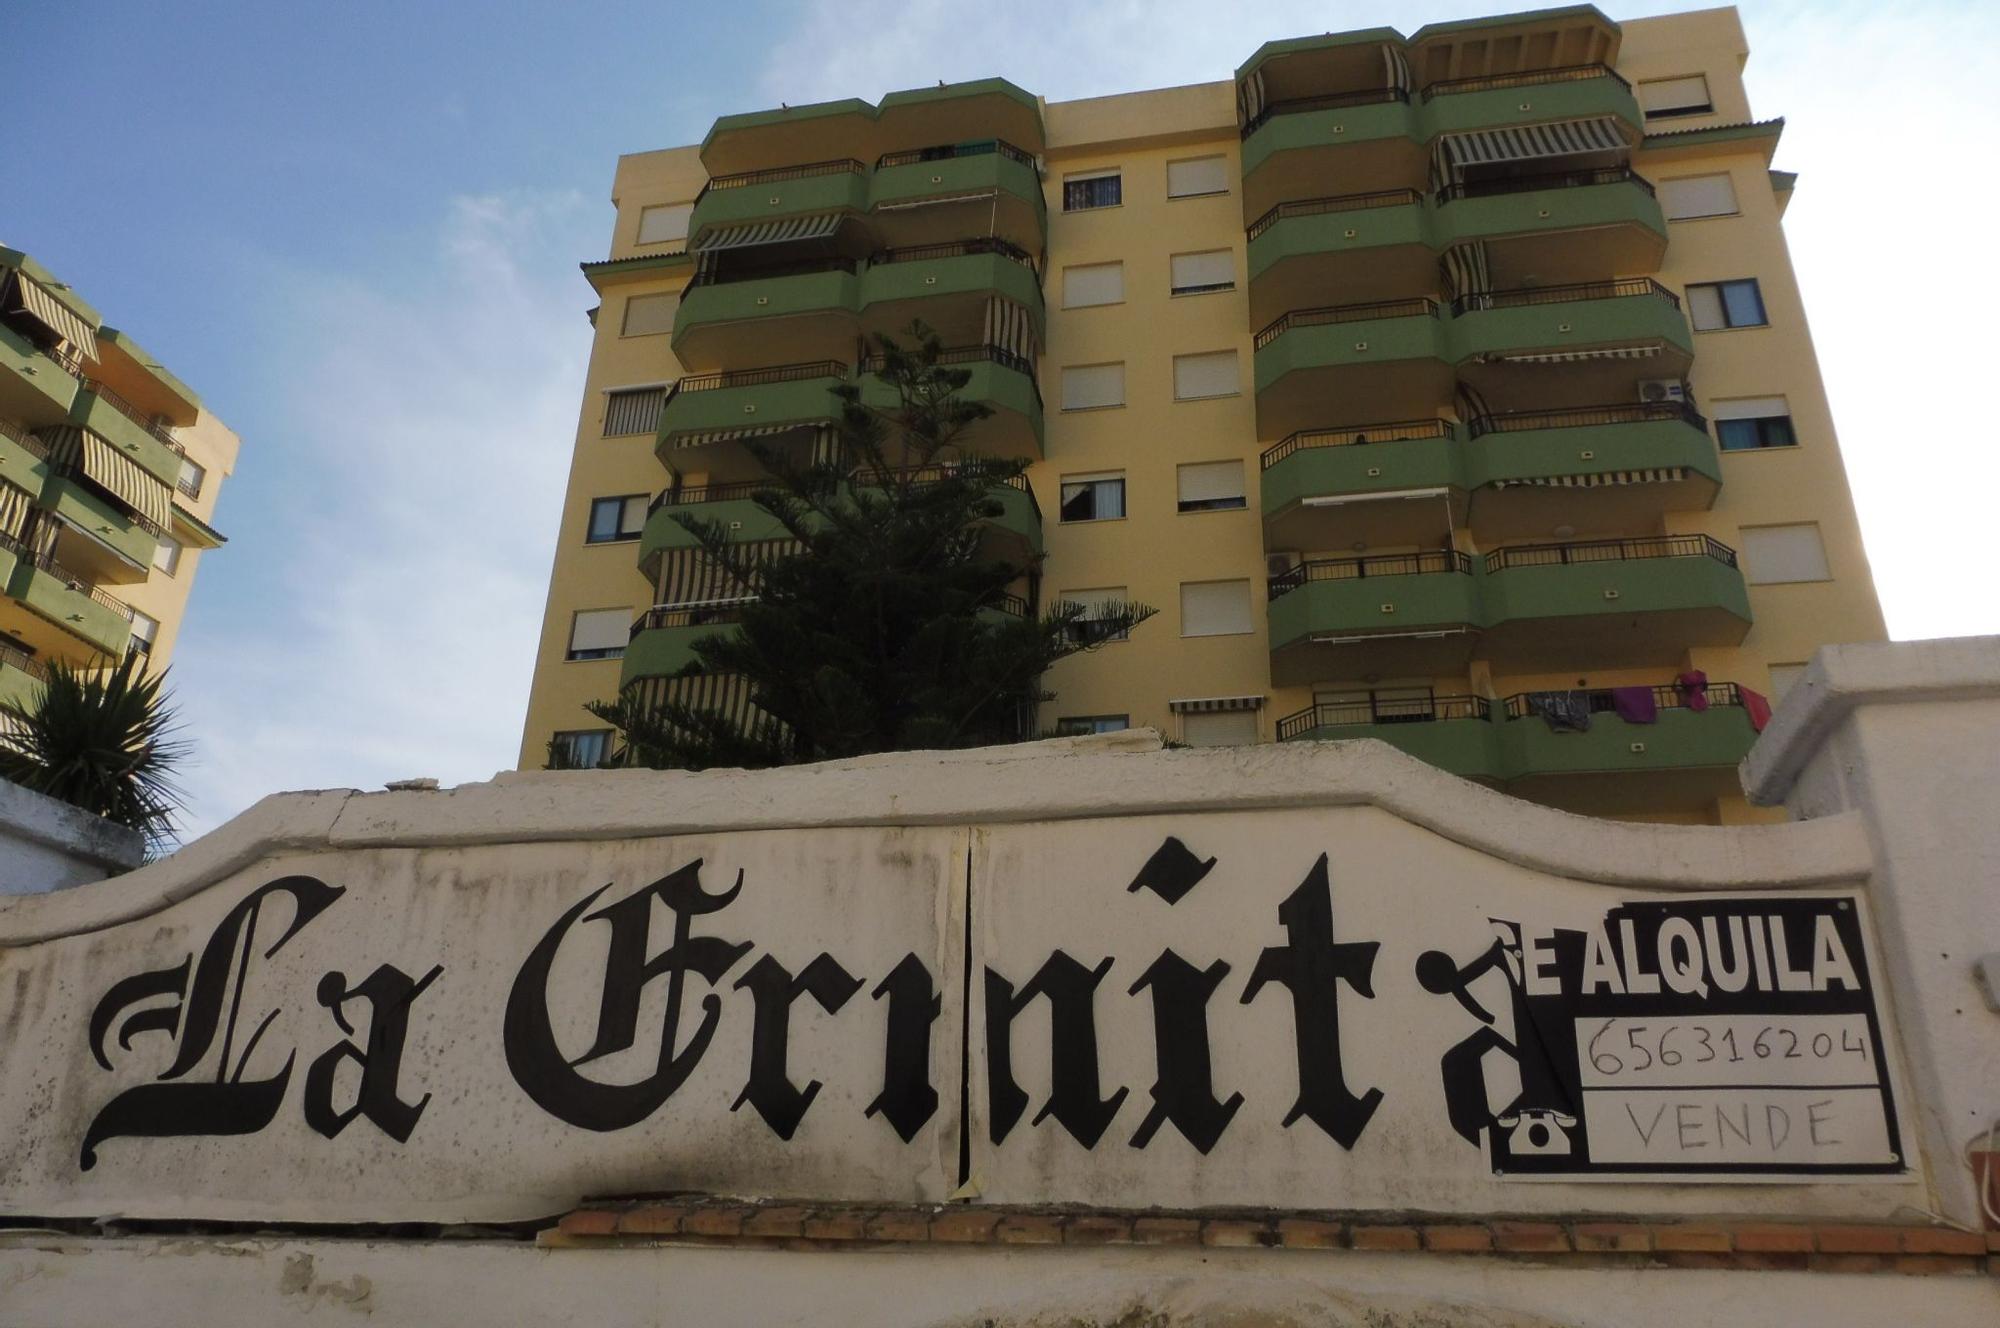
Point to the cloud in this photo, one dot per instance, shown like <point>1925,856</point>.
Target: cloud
<point>404,524</point>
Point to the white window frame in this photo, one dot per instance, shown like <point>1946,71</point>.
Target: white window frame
<point>631,518</point>
<point>1100,173</point>
<point>1093,479</point>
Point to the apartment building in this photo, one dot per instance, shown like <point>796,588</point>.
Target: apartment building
<point>1451,389</point>
<point>109,471</point>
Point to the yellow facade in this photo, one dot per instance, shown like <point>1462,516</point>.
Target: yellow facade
<point>1161,676</point>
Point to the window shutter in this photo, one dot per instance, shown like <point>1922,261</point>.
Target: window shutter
<point>633,519</point>
<point>1666,96</point>
<point>661,225</point>
<point>1098,283</point>
<point>1204,271</point>
<point>1086,386</point>
<point>1198,175</point>
<point>144,627</point>
<point>1775,555</point>
<point>647,315</point>
<point>1210,375</point>
<point>1211,481</point>
<point>1215,608</point>
<point>1226,728</point>
<point>600,629</point>
<point>1749,408</point>
<point>167,554</point>
<point>1705,308</point>
<point>1698,196</point>
<point>634,410</point>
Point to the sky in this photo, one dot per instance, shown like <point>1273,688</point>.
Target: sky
<point>354,228</point>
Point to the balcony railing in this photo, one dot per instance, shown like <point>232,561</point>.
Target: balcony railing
<point>27,441</point>
<point>1351,435</point>
<point>775,174</point>
<point>1346,313</point>
<point>1532,78</point>
<point>1358,569</point>
<point>985,244</point>
<point>1314,207</point>
<point>1585,417</point>
<point>189,484</point>
<point>712,613</point>
<point>694,494</point>
<point>947,151</point>
<point>134,414</point>
<point>1373,709</point>
<point>716,276</point>
<point>1531,184</point>
<point>1014,606</point>
<point>1666,696</point>
<point>1329,102</point>
<point>45,560</point>
<point>777,373</point>
<point>1622,288</point>
<point>1610,551</point>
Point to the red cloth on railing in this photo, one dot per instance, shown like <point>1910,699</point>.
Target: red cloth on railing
<point>1693,687</point>
<point>1635,705</point>
<point>1755,706</point>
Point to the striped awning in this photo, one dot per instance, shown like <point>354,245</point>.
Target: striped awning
<point>1250,98</point>
<point>14,505</point>
<point>1395,69</point>
<point>110,469</point>
<point>1608,479</point>
<point>1010,327</point>
<point>1572,356</point>
<point>1488,147</point>
<point>816,227</point>
<point>709,436</point>
<point>1467,269</point>
<point>980,196</point>
<point>27,295</point>
<point>1207,705</point>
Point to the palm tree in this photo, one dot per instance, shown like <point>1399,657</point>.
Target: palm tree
<point>101,741</point>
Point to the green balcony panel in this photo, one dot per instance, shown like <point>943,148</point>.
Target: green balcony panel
<point>18,685</point>
<point>1622,442</point>
<point>34,390</point>
<point>22,460</point>
<point>1529,102</point>
<point>924,279</point>
<point>946,178</point>
<point>1623,203</point>
<point>1375,603</point>
<point>1301,231</point>
<point>1602,315</point>
<point>100,519</point>
<point>1359,344</point>
<point>1716,738</point>
<point>1609,603</point>
<point>801,400</point>
<point>1361,468</point>
<point>746,521</point>
<point>103,628</point>
<point>661,652</point>
<point>769,297</point>
<point>1616,587</point>
<point>1019,524</point>
<point>840,186</point>
<point>1466,747</point>
<point>1304,131</point>
<point>97,414</point>
<point>1015,429</point>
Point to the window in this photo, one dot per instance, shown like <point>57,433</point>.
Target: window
<point>193,476</point>
<point>1221,728</point>
<point>1777,555</point>
<point>1211,486</point>
<point>1719,304</point>
<point>1093,386</point>
<point>1749,423</point>
<point>580,749</point>
<point>1215,608</point>
<point>1097,283</point>
<point>1093,497</point>
<point>649,315</point>
<point>1197,176</point>
<point>167,554</point>
<point>664,224</point>
<point>1783,678</point>
<point>1093,189</point>
<point>1076,725</point>
<point>599,633</point>
<point>145,630</point>
<point>1197,274</point>
<point>633,410</point>
<point>1695,196</point>
<point>612,519</point>
<point>1209,375</point>
<point>1664,98</point>
<point>1096,604</point>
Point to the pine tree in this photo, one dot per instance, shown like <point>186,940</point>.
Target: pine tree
<point>887,628</point>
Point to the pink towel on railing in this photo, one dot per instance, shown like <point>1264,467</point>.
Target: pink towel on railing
<point>1694,689</point>
<point>1755,706</point>
<point>1635,705</point>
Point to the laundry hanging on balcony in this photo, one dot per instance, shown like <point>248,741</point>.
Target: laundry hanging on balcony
<point>110,469</point>
<point>1608,479</point>
<point>1466,269</point>
<point>22,294</point>
<point>1645,352</point>
<point>1010,327</point>
<point>815,227</point>
<point>1454,153</point>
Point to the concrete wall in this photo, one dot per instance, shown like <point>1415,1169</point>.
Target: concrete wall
<point>46,844</point>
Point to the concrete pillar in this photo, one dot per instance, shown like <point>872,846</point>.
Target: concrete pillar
<point>1907,736</point>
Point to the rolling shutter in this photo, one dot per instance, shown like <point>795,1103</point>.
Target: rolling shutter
<point>1196,176</point>
<point>1212,270</point>
<point>1089,386</point>
<point>1215,608</point>
<point>1697,196</point>
<point>1211,375</point>
<point>1096,283</point>
<point>1211,482</point>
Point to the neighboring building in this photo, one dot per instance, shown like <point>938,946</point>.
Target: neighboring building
<point>109,470</point>
<point>1412,379</point>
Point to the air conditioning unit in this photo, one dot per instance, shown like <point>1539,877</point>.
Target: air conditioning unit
<point>1277,564</point>
<point>1663,389</point>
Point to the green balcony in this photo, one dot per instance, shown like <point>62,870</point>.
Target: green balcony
<point>1603,339</point>
<point>106,414</point>
<point>1454,733</point>
<point>1577,92</point>
<point>1393,354</point>
<point>825,131</point>
<point>1680,738</point>
<point>1396,614</point>
<point>1373,136</point>
<point>68,619</point>
<point>1609,603</point>
<point>34,389</point>
<point>947,286</point>
<point>663,640</point>
<point>1594,468</point>
<point>706,416</point>
<point>779,195</point>
<point>933,195</point>
<point>1002,382</point>
<point>21,676</point>
<point>1558,228</point>
<point>1378,484</point>
<point>1342,249</point>
<point>24,458</point>
<point>101,540</point>
<point>798,313</point>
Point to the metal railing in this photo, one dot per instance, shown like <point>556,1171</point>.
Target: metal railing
<point>1329,102</point>
<point>1666,696</point>
<point>1579,417</point>
<point>1532,78</point>
<point>947,151</point>
<point>718,276</point>
<point>25,662</point>
<point>1610,551</point>
<point>1014,606</point>
<point>1358,569</point>
<point>1376,709</point>
<point>985,244</point>
<point>719,612</point>
<point>775,174</point>
<point>1619,289</point>
<point>776,373</point>
<point>19,435</point>
<point>1352,434</point>
<point>134,414</point>
<point>1313,207</point>
<point>188,484</point>
<point>1530,184</point>
<point>1346,313</point>
<point>692,494</point>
